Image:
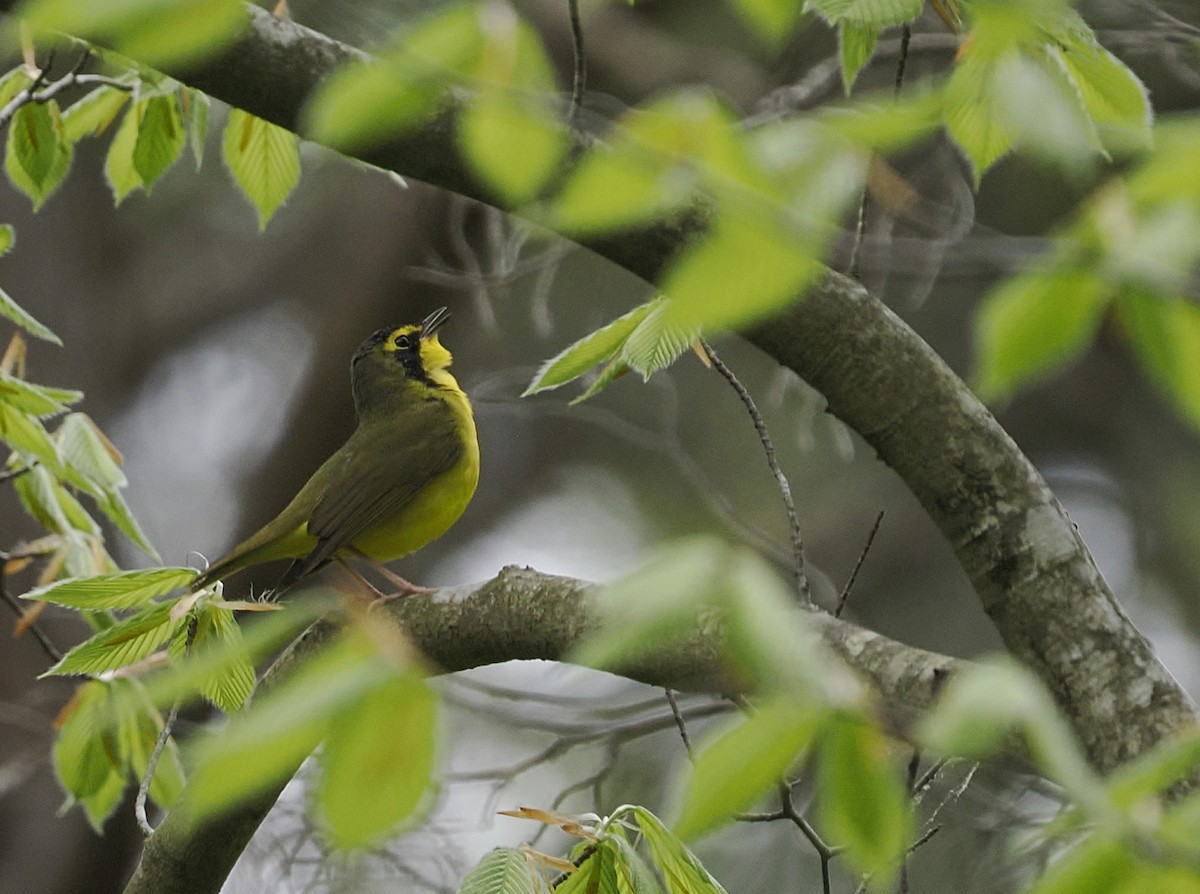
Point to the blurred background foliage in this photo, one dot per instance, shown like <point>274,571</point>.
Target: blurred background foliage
<point>217,360</point>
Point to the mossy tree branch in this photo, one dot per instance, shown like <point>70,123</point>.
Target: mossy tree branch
<point>524,614</point>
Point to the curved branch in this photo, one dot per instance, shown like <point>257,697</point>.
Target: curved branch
<point>522,614</point>
<point>1036,578</point>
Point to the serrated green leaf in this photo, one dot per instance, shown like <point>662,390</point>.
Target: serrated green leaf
<point>741,270</point>
<point>36,489</point>
<point>1113,96</point>
<point>119,169</point>
<point>264,744</point>
<point>972,114</point>
<point>126,589</point>
<point>612,370</point>
<point>594,348</point>
<point>1165,336</point>
<point>512,142</point>
<point>1033,324</point>
<point>37,400</point>
<point>94,113</point>
<point>26,434</point>
<point>87,452</point>
<point>38,158</point>
<point>771,20</point>
<point>856,45</point>
<point>160,138</point>
<point>503,870</point>
<point>862,803</point>
<point>378,761</point>
<point>124,643</point>
<point>233,681</point>
<point>263,159</point>
<point>8,236</point>
<point>742,761</point>
<point>657,341</point>
<point>870,13</point>
<point>680,869</point>
<point>17,314</point>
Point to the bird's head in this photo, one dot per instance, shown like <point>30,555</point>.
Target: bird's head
<point>412,352</point>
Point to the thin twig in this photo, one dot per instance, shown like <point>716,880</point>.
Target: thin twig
<point>680,722</point>
<point>579,84</point>
<point>70,79</point>
<point>10,474</point>
<point>139,804</point>
<point>905,39</point>
<point>845,594</point>
<point>52,651</point>
<point>785,489</point>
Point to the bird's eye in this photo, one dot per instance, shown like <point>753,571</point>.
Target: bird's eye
<point>402,342</point>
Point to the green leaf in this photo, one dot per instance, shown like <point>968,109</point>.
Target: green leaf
<point>138,727</point>
<point>871,13</point>
<point>742,761</point>
<point>156,33</point>
<point>512,142</point>
<point>126,589</point>
<point>611,371</point>
<point>597,874</point>
<point>37,400</point>
<point>8,236</point>
<point>378,761</point>
<point>973,115</point>
<point>633,875</point>
<point>124,643</point>
<point>84,752</point>
<point>119,169</point>
<point>17,314</point>
<point>1034,324</point>
<point>862,803</point>
<point>741,270</point>
<point>1113,96</point>
<point>160,138</point>
<point>13,82</point>
<point>32,141</point>
<point>363,103</point>
<point>26,434</point>
<point>986,704</point>
<point>88,452</point>
<point>263,159</point>
<point>93,114</point>
<point>657,341</point>
<point>104,802</point>
<point>38,157</point>
<point>265,743</point>
<point>772,20</point>
<point>856,45</point>
<point>683,576</point>
<point>680,869</point>
<point>594,348</point>
<point>503,870</point>
<point>1099,865</point>
<point>1165,336</point>
<point>218,647</point>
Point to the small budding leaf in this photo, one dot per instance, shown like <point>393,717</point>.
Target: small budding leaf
<point>503,870</point>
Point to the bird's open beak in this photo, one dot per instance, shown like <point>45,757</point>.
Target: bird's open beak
<point>433,322</point>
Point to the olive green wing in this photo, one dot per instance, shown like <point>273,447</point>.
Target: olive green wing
<point>388,463</point>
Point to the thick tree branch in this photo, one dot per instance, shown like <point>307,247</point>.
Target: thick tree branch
<point>1022,553</point>
<point>523,614</point>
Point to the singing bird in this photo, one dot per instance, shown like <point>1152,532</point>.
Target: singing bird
<point>402,479</point>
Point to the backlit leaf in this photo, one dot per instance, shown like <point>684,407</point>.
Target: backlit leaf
<point>160,138</point>
<point>681,871</point>
<point>122,644</point>
<point>263,159</point>
<point>1165,335</point>
<point>512,142</point>
<point>378,761</point>
<point>94,113</point>
<point>585,354</point>
<point>503,870</point>
<point>17,314</point>
<point>119,169</point>
<point>126,589</point>
<point>856,45</point>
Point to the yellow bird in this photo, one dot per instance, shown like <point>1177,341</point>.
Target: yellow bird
<point>402,479</point>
